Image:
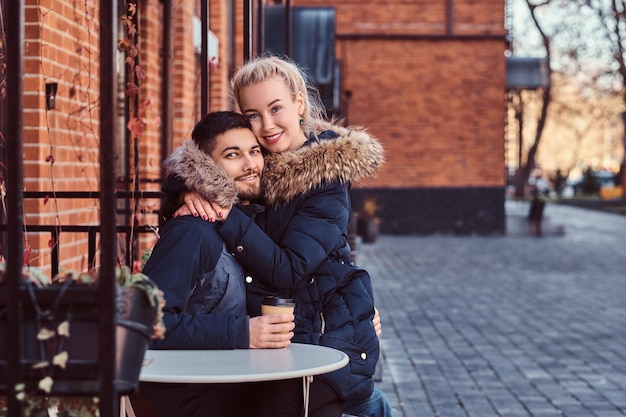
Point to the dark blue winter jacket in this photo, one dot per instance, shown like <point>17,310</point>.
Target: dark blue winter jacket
<point>298,248</point>
<point>202,285</point>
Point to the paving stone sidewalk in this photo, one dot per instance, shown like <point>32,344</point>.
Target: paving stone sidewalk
<point>508,326</point>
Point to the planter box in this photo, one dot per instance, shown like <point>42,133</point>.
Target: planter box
<point>368,228</point>
<point>79,305</point>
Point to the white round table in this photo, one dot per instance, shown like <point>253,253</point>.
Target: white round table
<point>240,365</point>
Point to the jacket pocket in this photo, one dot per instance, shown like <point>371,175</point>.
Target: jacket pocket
<point>355,381</point>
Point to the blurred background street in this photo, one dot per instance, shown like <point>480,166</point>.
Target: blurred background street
<point>505,326</point>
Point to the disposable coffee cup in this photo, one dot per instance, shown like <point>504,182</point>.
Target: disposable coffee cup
<point>277,305</point>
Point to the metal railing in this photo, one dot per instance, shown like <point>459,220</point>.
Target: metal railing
<point>132,232</point>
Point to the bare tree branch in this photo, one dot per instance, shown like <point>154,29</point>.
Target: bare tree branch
<point>546,94</point>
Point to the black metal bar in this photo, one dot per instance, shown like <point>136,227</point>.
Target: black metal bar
<point>55,251</point>
<point>91,249</point>
<point>109,401</point>
<point>450,17</point>
<point>260,22</point>
<point>288,28</point>
<point>166,84</point>
<point>204,58</point>
<point>92,239</point>
<point>130,111</point>
<point>247,30</point>
<point>15,182</point>
<point>132,205</point>
<point>129,255</point>
<point>74,228</point>
<point>92,194</point>
<point>233,25</point>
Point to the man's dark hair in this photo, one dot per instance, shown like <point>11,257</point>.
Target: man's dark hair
<point>204,134</point>
<point>214,124</point>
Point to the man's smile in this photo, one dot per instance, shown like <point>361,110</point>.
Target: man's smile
<point>248,177</point>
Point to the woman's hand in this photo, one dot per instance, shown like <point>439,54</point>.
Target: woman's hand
<point>197,206</point>
<point>376,320</point>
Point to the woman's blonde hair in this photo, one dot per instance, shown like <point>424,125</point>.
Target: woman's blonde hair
<point>262,68</point>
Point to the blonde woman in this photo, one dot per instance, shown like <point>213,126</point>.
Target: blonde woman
<point>297,247</point>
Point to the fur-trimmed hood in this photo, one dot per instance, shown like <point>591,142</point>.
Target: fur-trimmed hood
<point>352,156</point>
<point>201,173</point>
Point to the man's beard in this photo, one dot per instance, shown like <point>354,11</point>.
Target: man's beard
<point>250,193</point>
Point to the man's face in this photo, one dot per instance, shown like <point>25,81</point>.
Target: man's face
<point>239,153</point>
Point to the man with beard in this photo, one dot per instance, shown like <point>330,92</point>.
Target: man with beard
<point>204,285</point>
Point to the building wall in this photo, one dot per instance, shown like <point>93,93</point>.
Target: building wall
<point>428,79</point>
<point>185,71</point>
<point>425,76</point>
<point>60,145</point>
<point>148,107</point>
<point>218,74</point>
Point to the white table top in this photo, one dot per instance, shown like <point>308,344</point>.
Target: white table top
<point>240,365</point>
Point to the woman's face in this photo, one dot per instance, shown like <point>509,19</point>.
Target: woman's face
<point>274,115</point>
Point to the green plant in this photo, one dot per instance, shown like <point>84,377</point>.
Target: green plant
<point>125,278</point>
<point>370,208</point>
<point>39,404</point>
<point>54,330</point>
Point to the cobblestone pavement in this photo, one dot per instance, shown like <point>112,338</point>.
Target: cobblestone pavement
<point>505,326</point>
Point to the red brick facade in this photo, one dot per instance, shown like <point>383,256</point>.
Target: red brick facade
<point>62,49</point>
<point>425,81</point>
<point>425,76</point>
<point>428,78</point>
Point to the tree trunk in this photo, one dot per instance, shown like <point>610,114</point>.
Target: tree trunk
<point>546,96</point>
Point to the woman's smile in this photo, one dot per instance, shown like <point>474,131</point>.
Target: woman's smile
<point>274,114</point>
<point>273,138</point>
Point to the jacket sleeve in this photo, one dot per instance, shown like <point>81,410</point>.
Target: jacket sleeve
<point>176,265</point>
<point>172,187</point>
<point>312,231</point>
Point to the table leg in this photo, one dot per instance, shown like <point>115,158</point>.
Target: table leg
<point>126,408</point>
<point>306,390</point>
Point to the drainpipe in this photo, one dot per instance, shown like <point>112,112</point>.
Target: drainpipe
<point>109,400</point>
<point>288,28</point>
<point>14,204</point>
<point>247,30</point>
<point>166,84</point>
<point>450,17</point>
<point>204,59</point>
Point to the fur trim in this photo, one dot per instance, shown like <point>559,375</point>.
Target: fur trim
<point>354,155</point>
<point>201,173</point>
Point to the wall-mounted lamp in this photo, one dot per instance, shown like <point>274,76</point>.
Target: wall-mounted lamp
<point>51,94</point>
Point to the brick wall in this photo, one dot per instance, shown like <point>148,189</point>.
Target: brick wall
<point>185,72</point>
<point>147,145</point>
<point>62,43</point>
<point>186,76</point>
<point>149,105</point>
<point>439,115</point>
<point>61,47</point>
<point>218,75</point>
<point>427,77</point>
